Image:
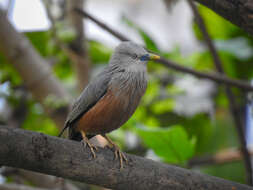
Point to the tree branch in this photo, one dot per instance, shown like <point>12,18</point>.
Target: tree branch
<point>78,50</point>
<point>221,157</point>
<point>239,12</point>
<point>232,102</point>
<point>38,179</point>
<point>34,70</point>
<point>9,186</point>
<point>68,159</point>
<point>101,24</point>
<point>211,76</point>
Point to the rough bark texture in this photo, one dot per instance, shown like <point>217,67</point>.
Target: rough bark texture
<point>45,181</point>
<point>239,12</point>
<point>18,187</point>
<point>37,179</point>
<point>68,159</point>
<point>33,69</point>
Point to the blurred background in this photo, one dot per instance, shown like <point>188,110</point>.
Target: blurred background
<point>181,120</point>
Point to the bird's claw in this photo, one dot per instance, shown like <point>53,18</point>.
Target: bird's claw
<point>91,146</point>
<point>119,155</point>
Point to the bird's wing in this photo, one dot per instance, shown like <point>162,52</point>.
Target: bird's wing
<point>89,97</point>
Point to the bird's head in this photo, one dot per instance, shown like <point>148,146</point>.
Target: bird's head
<point>128,54</point>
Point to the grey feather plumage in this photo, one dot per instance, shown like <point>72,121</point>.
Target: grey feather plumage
<point>125,72</point>
<point>90,96</point>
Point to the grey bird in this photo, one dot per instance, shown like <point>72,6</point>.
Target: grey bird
<point>111,98</point>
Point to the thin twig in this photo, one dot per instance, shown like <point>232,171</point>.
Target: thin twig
<point>222,157</point>
<point>75,51</point>
<point>230,95</point>
<point>211,76</point>
<point>102,25</point>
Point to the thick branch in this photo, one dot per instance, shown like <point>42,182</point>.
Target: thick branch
<point>211,76</point>
<point>38,179</point>
<point>239,12</point>
<point>68,159</point>
<point>33,69</point>
<point>9,186</point>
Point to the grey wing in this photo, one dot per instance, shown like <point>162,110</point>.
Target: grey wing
<point>88,98</point>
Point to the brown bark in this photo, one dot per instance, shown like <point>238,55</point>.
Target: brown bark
<point>45,181</point>
<point>18,187</point>
<point>69,159</point>
<point>34,70</point>
<point>222,157</point>
<point>77,48</point>
<point>37,179</point>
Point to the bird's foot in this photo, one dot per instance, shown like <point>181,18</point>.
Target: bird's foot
<point>86,142</point>
<point>117,152</point>
<point>119,155</point>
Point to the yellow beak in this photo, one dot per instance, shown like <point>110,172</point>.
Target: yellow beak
<point>153,56</point>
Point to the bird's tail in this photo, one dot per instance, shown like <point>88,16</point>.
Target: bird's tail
<point>76,135</point>
<point>73,134</point>
<point>62,131</point>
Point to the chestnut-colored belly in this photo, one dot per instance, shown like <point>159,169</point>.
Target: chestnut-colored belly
<point>106,115</point>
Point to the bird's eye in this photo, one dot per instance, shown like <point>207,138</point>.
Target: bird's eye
<point>122,71</point>
<point>134,56</point>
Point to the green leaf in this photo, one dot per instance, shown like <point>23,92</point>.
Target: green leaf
<point>98,52</point>
<point>201,127</point>
<point>163,106</point>
<point>36,120</point>
<point>218,27</point>
<point>39,40</point>
<point>233,171</point>
<point>149,42</point>
<point>65,33</point>
<point>152,91</point>
<point>8,72</point>
<point>63,69</point>
<point>171,144</point>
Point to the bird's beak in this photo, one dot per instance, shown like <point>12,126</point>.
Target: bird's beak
<point>149,56</point>
<point>153,56</point>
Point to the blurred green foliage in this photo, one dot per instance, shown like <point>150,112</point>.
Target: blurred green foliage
<point>171,144</point>
<point>37,120</point>
<point>8,73</point>
<point>149,42</point>
<point>99,53</point>
<point>174,137</point>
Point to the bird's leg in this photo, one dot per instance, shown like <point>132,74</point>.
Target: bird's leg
<point>117,152</point>
<point>86,141</point>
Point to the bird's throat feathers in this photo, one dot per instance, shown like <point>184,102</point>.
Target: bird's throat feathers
<point>131,80</point>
